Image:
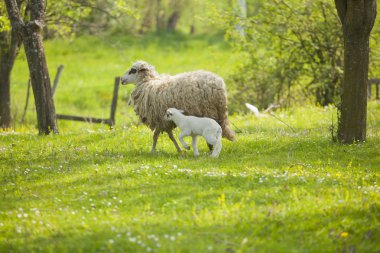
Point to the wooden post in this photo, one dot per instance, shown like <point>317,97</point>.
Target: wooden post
<point>114,101</point>
<point>369,89</point>
<point>26,102</point>
<point>56,79</point>
<point>376,82</point>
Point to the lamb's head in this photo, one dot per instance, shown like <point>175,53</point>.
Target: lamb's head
<point>139,71</point>
<point>172,113</point>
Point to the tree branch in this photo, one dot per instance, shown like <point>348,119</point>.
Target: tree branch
<point>14,14</point>
<point>37,10</point>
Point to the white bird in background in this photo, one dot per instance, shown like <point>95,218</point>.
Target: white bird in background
<point>265,113</point>
<point>253,109</point>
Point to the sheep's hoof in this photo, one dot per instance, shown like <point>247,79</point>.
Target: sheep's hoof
<point>188,147</point>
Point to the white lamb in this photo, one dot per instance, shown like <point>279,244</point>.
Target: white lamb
<point>194,126</point>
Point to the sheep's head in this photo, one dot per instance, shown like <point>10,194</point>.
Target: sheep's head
<point>138,72</point>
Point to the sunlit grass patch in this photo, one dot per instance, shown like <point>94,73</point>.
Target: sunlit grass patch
<point>273,189</point>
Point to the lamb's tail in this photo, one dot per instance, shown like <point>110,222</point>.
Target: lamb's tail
<point>218,145</point>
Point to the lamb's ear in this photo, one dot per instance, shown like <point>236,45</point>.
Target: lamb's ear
<point>182,111</point>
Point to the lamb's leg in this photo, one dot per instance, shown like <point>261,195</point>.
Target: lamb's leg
<point>195,146</point>
<point>171,136</point>
<point>216,142</point>
<point>180,137</point>
<point>155,138</point>
<point>212,140</point>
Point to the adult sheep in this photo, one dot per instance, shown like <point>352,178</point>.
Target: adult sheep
<point>199,93</point>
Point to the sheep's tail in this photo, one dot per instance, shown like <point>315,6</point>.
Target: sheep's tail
<point>227,132</point>
<point>222,112</point>
<point>218,145</point>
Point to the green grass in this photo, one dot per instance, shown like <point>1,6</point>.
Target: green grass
<point>277,188</point>
<point>272,190</point>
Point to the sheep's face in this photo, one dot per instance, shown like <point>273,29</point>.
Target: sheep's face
<point>130,76</point>
<point>137,73</point>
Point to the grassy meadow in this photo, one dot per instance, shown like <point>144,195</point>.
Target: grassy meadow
<point>277,188</point>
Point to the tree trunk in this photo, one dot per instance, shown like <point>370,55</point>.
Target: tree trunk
<point>353,108</point>
<point>241,12</point>
<point>40,81</point>
<point>160,16</point>
<point>33,45</point>
<point>8,52</point>
<point>357,19</point>
<point>5,97</point>
<point>173,20</point>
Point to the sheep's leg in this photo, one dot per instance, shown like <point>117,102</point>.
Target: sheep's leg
<point>210,147</point>
<point>155,138</point>
<point>180,137</point>
<point>195,146</point>
<point>171,136</point>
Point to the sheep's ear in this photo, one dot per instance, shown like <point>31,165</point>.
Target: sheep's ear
<point>182,111</point>
<point>146,67</point>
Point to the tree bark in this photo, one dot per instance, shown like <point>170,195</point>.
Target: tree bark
<point>10,45</point>
<point>173,20</point>
<point>33,45</point>
<point>357,17</point>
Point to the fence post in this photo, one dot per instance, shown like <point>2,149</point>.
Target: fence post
<point>114,101</point>
<point>56,79</point>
